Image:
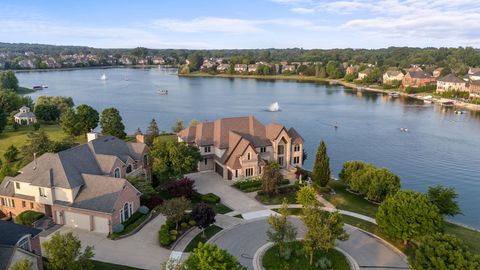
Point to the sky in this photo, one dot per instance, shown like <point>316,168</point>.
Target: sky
<point>230,24</point>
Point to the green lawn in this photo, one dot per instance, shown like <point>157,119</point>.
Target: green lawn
<point>110,266</point>
<point>19,137</point>
<point>276,199</point>
<point>298,260</point>
<point>347,201</point>
<point>470,237</point>
<point>209,232</point>
<point>219,208</point>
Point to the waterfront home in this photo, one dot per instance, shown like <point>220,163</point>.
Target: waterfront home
<point>392,75</point>
<point>351,69</point>
<point>25,116</point>
<point>222,68</point>
<point>474,76</point>
<point>238,147</point>
<point>240,68</point>
<point>417,79</point>
<point>474,89</point>
<point>364,73</point>
<point>83,187</point>
<point>473,70</point>
<point>252,68</point>
<point>437,72</point>
<point>451,82</point>
<point>18,243</point>
<point>288,68</point>
<point>157,60</point>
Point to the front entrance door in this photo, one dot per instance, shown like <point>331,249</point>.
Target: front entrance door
<point>280,161</point>
<point>48,210</point>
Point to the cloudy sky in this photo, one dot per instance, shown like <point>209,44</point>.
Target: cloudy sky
<point>242,24</point>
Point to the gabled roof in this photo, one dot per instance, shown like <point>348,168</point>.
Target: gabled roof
<point>296,138</point>
<point>10,232</point>
<point>420,74</point>
<point>451,79</point>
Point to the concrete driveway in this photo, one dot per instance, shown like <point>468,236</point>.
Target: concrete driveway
<point>245,239</point>
<point>206,182</point>
<point>140,250</point>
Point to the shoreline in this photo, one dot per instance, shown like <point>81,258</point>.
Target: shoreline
<point>80,68</point>
<point>469,106</point>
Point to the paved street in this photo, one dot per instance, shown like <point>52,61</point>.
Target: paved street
<point>206,182</point>
<point>243,240</point>
<point>139,250</point>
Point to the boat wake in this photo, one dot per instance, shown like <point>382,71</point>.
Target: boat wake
<point>274,107</point>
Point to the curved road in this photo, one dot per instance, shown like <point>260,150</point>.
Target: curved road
<point>244,239</point>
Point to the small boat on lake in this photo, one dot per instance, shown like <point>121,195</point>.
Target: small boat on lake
<point>274,107</point>
<point>394,94</point>
<point>162,92</point>
<point>403,129</point>
<point>104,77</point>
<point>44,86</point>
<point>448,104</point>
<point>460,112</point>
<point>37,87</point>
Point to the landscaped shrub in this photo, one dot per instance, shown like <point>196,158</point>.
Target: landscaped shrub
<point>154,201</point>
<point>183,225</point>
<point>182,188</point>
<point>118,228</point>
<point>28,217</point>
<point>133,218</point>
<point>254,184</point>
<point>164,237</point>
<point>192,222</point>
<point>173,232</point>
<point>143,209</point>
<point>210,198</point>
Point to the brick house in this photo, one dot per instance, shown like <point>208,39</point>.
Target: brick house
<point>238,147</point>
<point>474,89</point>
<point>83,187</point>
<point>17,243</point>
<point>418,79</point>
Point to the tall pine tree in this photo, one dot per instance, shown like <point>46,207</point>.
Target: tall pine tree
<point>321,168</point>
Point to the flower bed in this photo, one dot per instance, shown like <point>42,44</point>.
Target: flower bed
<point>168,233</point>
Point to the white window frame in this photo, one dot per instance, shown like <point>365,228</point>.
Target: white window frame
<point>42,193</point>
<point>207,149</point>
<point>24,243</point>
<point>263,149</point>
<point>247,170</point>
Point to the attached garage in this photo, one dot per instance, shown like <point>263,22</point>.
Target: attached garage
<point>219,169</point>
<point>76,220</point>
<point>100,225</point>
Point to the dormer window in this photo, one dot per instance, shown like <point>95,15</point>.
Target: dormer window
<point>116,173</point>
<point>207,149</point>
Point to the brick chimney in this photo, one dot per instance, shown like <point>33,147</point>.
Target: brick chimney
<point>140,138</point>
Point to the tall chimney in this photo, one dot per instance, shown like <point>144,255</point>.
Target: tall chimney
<point>92,136</point>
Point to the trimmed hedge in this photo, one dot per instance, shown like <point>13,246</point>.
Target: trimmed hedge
<point>210,198</point>
<point>254,184</point>
<point>28,217</point>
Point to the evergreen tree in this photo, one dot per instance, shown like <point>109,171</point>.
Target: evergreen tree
<point>3,120</point>
<point>111,123</point>
<point>178,126</point>
<point>152,132</point>
<point>321,168</point>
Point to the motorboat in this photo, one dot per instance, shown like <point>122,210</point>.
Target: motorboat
<point>104,77</point>
<point>37,87</point>
<point>448,104</point>
<point>44,86</point>
<point>459,112</point>
<point>162,92</point>
<point>274,107</point>
<point>394,94</point>
<point>404,129</point>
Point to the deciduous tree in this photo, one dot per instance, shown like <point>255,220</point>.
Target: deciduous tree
<point>321,168</point>
<point>111,123</point>
<point>281,229</point>
<point>47,112</point>
<point>271,177</point>
<point>306,196</point>
<point>87,117</point>
<point>174,209</point>
<point>173,159</point>
<point>444,199</point>
<point>210,257</point>
<point>204,216</point>
<point>349,168</point>
<point>408,215</point>
<point>143,185</point>
<point>11,154</point>
<point>8,80</point>
<point>184,187</point>
<point>24,264</point>
<point>64,252</point>
<point>443,251</point>
<point>69,123</point>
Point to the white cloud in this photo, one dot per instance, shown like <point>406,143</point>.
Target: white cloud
<point>207,24</point>
<point>303,10</point>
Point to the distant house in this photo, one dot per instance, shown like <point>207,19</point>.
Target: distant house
<point>252,68</point>
<point>418,79</point>
<point>25,116</point>
<point>437,72</point>
<point>451,82</point>
<point>222,68</point>
<point>475,76</point>
<point>17,243</point>
<point>241,68</point>
<point>351,69</point>
<point>364,73</point>
<point>392,75</point>
<point>473,70</point>
<point>289,68</point>
<point>474,88</point>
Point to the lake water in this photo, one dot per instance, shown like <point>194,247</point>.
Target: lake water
<point>440,147</point>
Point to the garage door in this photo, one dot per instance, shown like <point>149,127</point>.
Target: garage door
<point>76,220</point>
<point>219,169</point>
<point>100,225</point>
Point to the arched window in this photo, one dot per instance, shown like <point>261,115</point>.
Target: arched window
<point>126,211</point>
<point>129,168</point>
<point>24,243</point>
<point>116,173</point>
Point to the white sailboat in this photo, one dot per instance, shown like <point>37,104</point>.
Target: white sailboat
<point>104,77</point>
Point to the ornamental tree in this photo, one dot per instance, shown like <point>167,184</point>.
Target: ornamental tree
<point>306,196</point>
<point>321,168</point>
<point>210,257</point>
<point>174,209</point>
<point>111,123</point>
<point>408,215</point>
<point>64,252</point>
<point>271,177</point>
<point>444,199</point>
<point>323,228</point>
<point>182,188</point>
<point>204,216</point>
<point>443,251</point>
<point>281,229</point>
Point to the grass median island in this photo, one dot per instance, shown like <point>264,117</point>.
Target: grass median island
<point>272,260</point>
<point>209,232</point>
<point>348,201</point>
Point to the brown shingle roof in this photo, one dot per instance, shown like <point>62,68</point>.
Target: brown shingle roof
<point>420,74</point>
<point>451,79</point>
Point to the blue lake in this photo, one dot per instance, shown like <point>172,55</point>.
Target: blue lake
<point>440,147</point>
